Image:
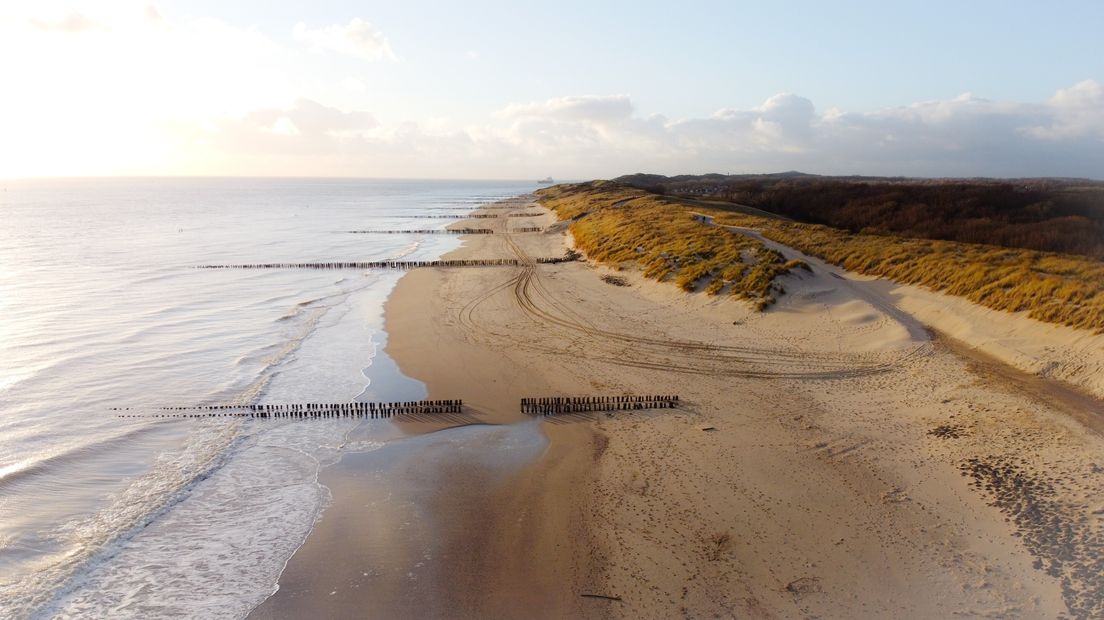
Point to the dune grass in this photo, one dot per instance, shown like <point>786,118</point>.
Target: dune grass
<point>618,225</point>
<point>1054,288</point>
<point>623,227</point>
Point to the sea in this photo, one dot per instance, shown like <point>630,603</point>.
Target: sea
<point>102,307</point>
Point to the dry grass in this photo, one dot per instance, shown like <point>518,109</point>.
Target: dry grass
<point>615,280</point>
<point>621,226</point>
<point>720,544</point>
<point>1055,288</point>
<point>620,222</point>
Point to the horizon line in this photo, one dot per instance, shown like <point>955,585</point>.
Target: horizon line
<point>530,180</point>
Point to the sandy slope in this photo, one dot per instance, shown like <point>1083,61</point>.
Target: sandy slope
<point>1073,356</point>
<point>836,478</point>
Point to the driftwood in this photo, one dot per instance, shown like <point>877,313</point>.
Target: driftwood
<point>602,596</point>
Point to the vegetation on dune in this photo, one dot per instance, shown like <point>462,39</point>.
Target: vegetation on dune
<point>1055,288</point>
<point>615,280</point>
<point>1049,215</point>
<point>622,226</point>
<point>618,224</point>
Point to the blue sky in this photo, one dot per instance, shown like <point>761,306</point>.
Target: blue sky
<point>859,56</point>
<point>570,88</point>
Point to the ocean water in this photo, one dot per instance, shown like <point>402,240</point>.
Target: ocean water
<point>101,307</point>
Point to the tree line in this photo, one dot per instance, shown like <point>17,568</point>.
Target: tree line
<point>1053,215</point>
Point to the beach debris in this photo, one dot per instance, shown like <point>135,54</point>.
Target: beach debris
<point>803,585</point>
<point>428,231</point>
<point>578,404</point>
<point>721,543</point>
<point>947,431</point>
<point>301,410</point>
<point>602,596</point>
<point>709,429</point>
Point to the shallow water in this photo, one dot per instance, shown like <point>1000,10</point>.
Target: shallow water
<point>414,504</point>
<point>100,307</point>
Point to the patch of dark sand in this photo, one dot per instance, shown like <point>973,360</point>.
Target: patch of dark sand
<point>1065,542</point>
<point>387,546</point>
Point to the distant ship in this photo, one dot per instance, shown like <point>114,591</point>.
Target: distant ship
<point>546,181</point>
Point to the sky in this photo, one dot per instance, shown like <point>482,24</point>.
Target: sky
<point>567,89</point>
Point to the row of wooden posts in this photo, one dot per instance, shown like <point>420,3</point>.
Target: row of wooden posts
<point>435,231</point>
<point>470,216</point>
<point>305,410</point>
<point>445,231</point>
<point>394,264</point>
<point>576,404</point>
<point>458,216</point>
<point>550,405</point>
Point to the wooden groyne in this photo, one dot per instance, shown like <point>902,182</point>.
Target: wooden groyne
<point>395,264</point>
<point>524,215</point>
<point>553,405</point>
<point>302,410</point>
<point>527,229</point>
<point>435,231</point>
<point>386,264</point>
<point>471,216</point>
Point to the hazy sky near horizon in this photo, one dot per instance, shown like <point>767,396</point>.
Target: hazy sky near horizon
<point>568,89</point>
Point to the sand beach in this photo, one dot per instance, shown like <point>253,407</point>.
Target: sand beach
<point>836,456</point>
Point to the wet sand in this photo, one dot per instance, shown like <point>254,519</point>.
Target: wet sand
<point>830,460</point>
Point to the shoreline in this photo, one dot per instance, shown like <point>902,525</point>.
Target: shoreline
<point>508,496</point>
<point>772,491</point>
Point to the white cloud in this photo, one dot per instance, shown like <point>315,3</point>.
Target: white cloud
<point>357,39</point>
<point>307,129</point>
<point>586,109</point>
<point>1077,111</point>
<point>599,136</point>
<point>72,23</point>
<point>284,126</point>
<point>783,122</point>
<point>354,85</point>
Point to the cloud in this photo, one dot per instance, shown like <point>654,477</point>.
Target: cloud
<point>591,136</point>
<point>357,39</point>
<point>964,136</point>
<point>354,85</point>
<point>782,123</point>
<point>585,109</point>
<point>72,23</point>
<point>306,129</point>
<point>1077,111</point>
